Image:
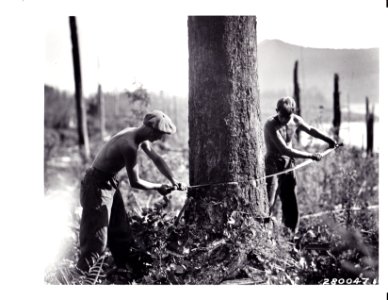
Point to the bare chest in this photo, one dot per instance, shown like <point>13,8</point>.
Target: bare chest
<point>287,131</point>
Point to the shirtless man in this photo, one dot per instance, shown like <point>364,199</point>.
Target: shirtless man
<point>278,133</point>
<point>104,219</point>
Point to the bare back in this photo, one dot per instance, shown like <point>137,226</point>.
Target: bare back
<point>111,158</point>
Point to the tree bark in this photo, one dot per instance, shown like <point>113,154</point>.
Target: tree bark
<point>83,139</point>
<point>225,131</point>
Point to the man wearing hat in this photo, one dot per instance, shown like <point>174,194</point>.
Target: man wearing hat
<point>104,219</point>
<point>278,134</point>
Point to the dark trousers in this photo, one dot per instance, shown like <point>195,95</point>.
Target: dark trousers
<point>282,186</point>
<point>104,221</point>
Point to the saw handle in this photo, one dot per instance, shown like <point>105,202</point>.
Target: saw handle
<point>180,187</point>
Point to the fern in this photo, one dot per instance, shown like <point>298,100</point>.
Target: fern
<point>96,273</point>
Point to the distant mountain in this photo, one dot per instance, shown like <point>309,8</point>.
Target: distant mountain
<point>358,70</point>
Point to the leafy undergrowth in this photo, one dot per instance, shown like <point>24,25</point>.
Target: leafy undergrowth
<point>339,224</point>
<point>337,242</point>
<point>330,251</point>
<point>167,252</point>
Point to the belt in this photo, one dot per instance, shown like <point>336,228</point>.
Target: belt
<point>104,176</point>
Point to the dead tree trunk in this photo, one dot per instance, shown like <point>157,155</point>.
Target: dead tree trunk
<point>337,108</point>
<point>116,105</point>
<point>369,128</point>
<point>83,139</point>
<point>225,133</point>
<point>297,96</point>
<point>101,104</point>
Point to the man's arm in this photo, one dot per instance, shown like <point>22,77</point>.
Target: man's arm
<point>138,183</point>
<point>159,162</point>
<point>315,132</point>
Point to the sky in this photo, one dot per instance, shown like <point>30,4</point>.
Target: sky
<point>123,51</point>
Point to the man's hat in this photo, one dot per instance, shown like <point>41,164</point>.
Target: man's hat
<point>159,121</point>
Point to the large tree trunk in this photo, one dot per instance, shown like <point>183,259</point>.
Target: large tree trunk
<point>83,139</point>
<point>225,132</point>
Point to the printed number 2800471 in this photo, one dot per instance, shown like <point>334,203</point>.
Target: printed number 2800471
<point>335,281</point>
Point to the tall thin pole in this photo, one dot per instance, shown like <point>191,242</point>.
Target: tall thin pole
<point>297,96</point>
<point>101,104</point>
<point>83,139</point>
<point>336,107</point>
<point>369,128</point>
